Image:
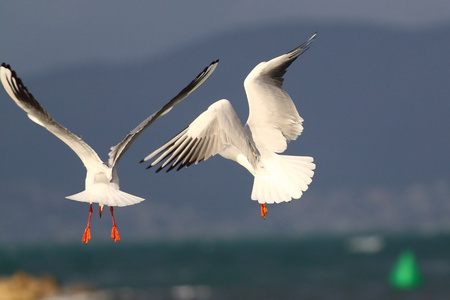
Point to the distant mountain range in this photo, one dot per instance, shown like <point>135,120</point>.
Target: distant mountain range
<point>376,108</point>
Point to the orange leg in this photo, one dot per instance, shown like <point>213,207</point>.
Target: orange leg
<point>87,231</point>
<point>114,232</point>
<point>263,211</point>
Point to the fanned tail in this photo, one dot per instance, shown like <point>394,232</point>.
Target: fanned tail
<point>106,195</point>
<point>283,178</point>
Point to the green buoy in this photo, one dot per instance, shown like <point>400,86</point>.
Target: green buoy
<point>406,273</point>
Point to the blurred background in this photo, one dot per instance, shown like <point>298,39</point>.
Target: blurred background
<point>373,90</point>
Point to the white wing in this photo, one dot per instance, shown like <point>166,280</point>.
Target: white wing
<point>273,118</point>
<point>25,100</point>
<point>118,150</point>
<point>213,131</point>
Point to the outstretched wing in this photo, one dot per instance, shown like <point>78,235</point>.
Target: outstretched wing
<point>118,150</point>
<point>273,118</point>
<point>25,100</point>
<point>216,130</point>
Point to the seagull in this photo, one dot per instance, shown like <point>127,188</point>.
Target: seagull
<point>273,121</point>
<point>102,182</point>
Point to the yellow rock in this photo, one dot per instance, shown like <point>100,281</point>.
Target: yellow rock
<point>22,286</point>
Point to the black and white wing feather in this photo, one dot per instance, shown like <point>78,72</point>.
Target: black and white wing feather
<point>216,130</point>
<point>118,150</point>
<point>273,118</point>
<point>25,100</point>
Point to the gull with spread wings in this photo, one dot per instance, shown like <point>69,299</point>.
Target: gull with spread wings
<point>102,182</point>
<point>273,121</point>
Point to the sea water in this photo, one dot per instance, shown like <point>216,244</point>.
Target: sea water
<point>315,267</point>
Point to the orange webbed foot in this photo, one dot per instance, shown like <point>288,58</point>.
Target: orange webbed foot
<point>263,211</point>
<point>87,231</point>
<point>115,234</point>
<point>86,235</point>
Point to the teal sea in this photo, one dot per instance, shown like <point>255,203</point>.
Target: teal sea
<point>337,267</point>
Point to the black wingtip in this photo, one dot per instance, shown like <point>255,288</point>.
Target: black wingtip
<point>211,64</point>
<point>312,37</point>
<point>22,91</point>
<point>296,52</point>
<point>14,75</point>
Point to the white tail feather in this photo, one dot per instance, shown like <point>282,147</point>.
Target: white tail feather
<point>282,178</point>
<point>106,194</point>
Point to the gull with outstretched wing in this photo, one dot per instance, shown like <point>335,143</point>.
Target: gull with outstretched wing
<point>273,121</point>
<point>102,182</point>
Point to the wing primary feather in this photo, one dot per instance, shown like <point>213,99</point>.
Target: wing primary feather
<point>185,154</point>
<point>193,148</point>
<point>296,52</point>
<point>203,149</point>
<point>192,162</point>
<point>200,150</point>
<point>199,153</point>
<point>168,151</point>
<point>118,150</point>
<point>278,73</point>
<point>181,167</point>
<point>20,91</point>
<point>189,155</point>
<point>179,152</point>
<point>163,148</point>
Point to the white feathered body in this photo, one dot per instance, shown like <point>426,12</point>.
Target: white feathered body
<point>102,187</point>
<point>281,178</point>
<point>278,178</point>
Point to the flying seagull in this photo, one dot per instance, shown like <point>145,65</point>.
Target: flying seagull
<point>273,121</point>
<point>102,182</point>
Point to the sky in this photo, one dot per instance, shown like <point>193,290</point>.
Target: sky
<point>42,38</point>
<point>41,35</point>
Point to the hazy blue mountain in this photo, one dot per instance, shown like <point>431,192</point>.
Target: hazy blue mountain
<point>376,109</point>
